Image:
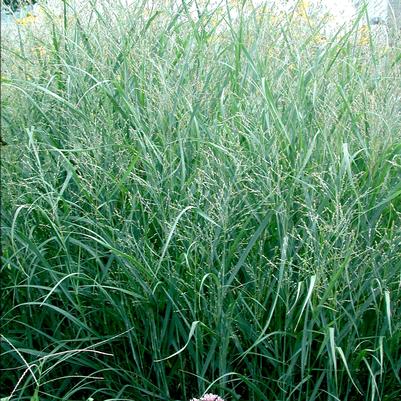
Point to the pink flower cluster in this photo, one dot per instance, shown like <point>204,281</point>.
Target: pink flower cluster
<point>208,397</point>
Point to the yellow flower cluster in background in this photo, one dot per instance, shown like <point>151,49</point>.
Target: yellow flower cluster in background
<point>28,20</point>
<point>303,8</point>
<point>363,35</point>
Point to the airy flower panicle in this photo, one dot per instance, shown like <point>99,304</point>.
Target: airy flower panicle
<point>208,397</point>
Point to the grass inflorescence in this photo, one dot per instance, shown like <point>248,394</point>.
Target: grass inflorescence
<point>198,202</point>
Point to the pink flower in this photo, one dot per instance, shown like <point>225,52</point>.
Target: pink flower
<point>208,397</point>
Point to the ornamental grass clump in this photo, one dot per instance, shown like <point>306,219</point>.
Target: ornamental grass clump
<point>196,201</point>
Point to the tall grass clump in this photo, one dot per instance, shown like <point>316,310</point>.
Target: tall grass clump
<point>198,200</point>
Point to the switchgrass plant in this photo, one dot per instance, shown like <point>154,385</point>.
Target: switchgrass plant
<point>199,201</point>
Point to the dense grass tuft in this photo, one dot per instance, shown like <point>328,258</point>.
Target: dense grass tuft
<point>199,203</point>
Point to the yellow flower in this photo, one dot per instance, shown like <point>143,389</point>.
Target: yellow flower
<point>303,8</point>
<point>320,39</point>
<point>29,19</point>
<point>363,35</point>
